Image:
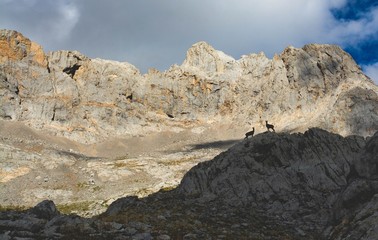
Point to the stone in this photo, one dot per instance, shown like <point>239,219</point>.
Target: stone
<point>163,237</point>
<point>142,236</point>
<point>45,210</point>
<point>190,236</point>
<point>5,236</point>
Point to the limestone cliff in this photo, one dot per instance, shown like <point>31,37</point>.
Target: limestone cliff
<point>86,100</point>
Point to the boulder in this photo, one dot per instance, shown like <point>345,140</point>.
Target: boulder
<point>45,210</point>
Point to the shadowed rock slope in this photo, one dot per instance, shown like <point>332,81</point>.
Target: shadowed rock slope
<point>317,181</point>
<point>315,185</point>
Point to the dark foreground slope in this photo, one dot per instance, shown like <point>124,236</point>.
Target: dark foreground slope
<point>315,185</point>
<point>316,181</point>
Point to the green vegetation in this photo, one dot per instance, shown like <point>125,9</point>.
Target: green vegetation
<point>12,208</point>
<point>121,164</point>
<point>82,185</point>
<point>167,189</point>
<point>127,164</point>
<point>69,208</point>
<point>122,157</point>
<point>176,162</point>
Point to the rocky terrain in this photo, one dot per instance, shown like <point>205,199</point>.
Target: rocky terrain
<point>85,132</point>
<point>316,185</point>
<point>85,179</point>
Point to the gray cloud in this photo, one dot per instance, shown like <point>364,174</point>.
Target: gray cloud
<point>157,33</point>
<point>49,22</point>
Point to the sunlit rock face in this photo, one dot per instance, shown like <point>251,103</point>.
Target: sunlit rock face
<point>87,100</point>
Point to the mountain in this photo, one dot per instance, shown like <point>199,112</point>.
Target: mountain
<point>84,133</point>
<point>88,100</point>
<point>312,185</point>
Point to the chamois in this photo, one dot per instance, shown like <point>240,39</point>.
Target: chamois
<point>269,126</point>
<point>250,133</point>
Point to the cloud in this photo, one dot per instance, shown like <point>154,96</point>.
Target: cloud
<point>47,22</point>
<point>66,20</point>
<point>372,71</point>
<point>354,31</point>
<point>157,33</point>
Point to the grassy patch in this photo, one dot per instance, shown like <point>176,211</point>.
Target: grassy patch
<point>82,185</point>
<point>121,164</point>
<point>130,164</point>
<point>96,188</point>
<point>177,162</point>
<point>122,157</point>
<point>12,208</point>
<point>69,208</point>
<point>168,189</point>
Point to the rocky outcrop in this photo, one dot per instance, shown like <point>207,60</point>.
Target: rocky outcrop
<point>87,100</point>
<point>15,47</point>
<point>318,181</point>
<point>315,185</point>
<point>202,57</point>
<point>44,222</point>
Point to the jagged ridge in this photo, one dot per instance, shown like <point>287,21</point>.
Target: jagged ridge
<point>316,180</point>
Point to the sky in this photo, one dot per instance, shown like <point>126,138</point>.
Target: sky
<point>157,33</point>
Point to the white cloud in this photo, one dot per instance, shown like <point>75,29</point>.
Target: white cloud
<point>372,71</point>
<point>353,31</point>
<point>65,21</point>
<point>157,33</point>
<point>337,3</point>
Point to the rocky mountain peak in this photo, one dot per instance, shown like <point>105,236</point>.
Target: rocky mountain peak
<point>318,66</point>
<point>15,47</point>
<point>205,58</point>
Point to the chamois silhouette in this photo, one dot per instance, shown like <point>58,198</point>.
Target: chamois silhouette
<point>250,133</point>
<point>269,126</point>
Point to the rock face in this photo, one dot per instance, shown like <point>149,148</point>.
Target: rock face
<point>15,47</point>
<point>87,100</point>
